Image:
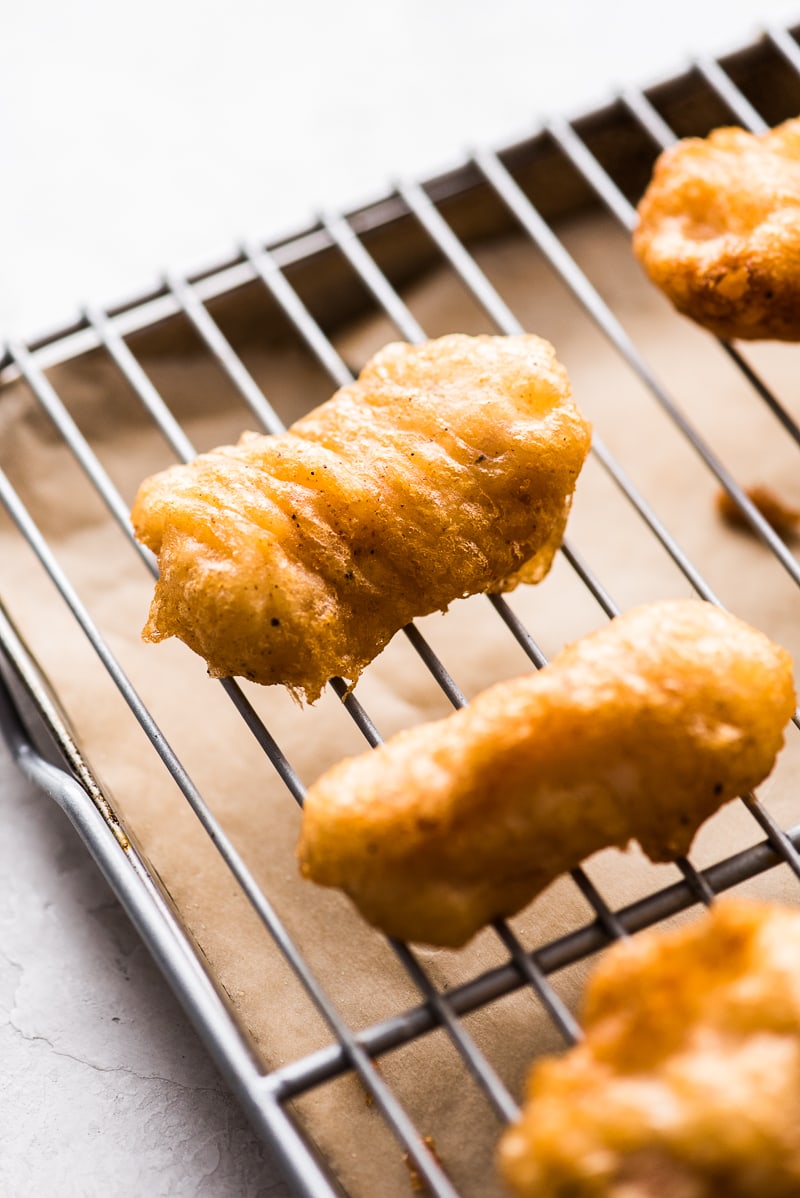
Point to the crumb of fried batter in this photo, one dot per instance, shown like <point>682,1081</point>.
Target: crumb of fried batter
<point>687,1083</point>
<point>719,231</point>
<point>416,1180</point>
<point>775,510</point>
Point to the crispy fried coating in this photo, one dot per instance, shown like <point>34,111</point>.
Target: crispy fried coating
<point>687,1084</point>
<point>719,231</point>
<point>638,731</point>
<point>784,518</point>
<point>445,470</point>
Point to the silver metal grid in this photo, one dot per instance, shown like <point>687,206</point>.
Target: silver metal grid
<point>423,207</point>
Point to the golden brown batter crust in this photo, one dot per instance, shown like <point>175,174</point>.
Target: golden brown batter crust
<point>638,731</point>
<point>447,469</point>
<point>719,231</point>
<point>687,1084</point>
<point>773,507</point>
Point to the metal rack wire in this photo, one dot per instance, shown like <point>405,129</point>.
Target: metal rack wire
<point>267,1096</point>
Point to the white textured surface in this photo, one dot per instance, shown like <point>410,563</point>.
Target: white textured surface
<point>149,137</point>
<point>156,135</point>
<point>104,1088</point>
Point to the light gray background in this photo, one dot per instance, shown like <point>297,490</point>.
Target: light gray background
<point>151,136</point>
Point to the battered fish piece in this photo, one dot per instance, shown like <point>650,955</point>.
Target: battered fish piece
<point>638,731</point>
<point>447,469</point>
<point>719,231</point>
<point>687,1084</point>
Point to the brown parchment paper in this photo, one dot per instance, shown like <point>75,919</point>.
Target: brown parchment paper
<point>358,970</point>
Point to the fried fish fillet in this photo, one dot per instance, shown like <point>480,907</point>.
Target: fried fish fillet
<point>445,470</point>
<point>719,231</point>
<point>687,1084</point>
<point>638,731</point>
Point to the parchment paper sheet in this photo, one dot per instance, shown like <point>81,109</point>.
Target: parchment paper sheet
<point>358,970</point>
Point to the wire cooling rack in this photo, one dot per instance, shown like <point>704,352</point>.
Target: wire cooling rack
<point>318,279</point>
